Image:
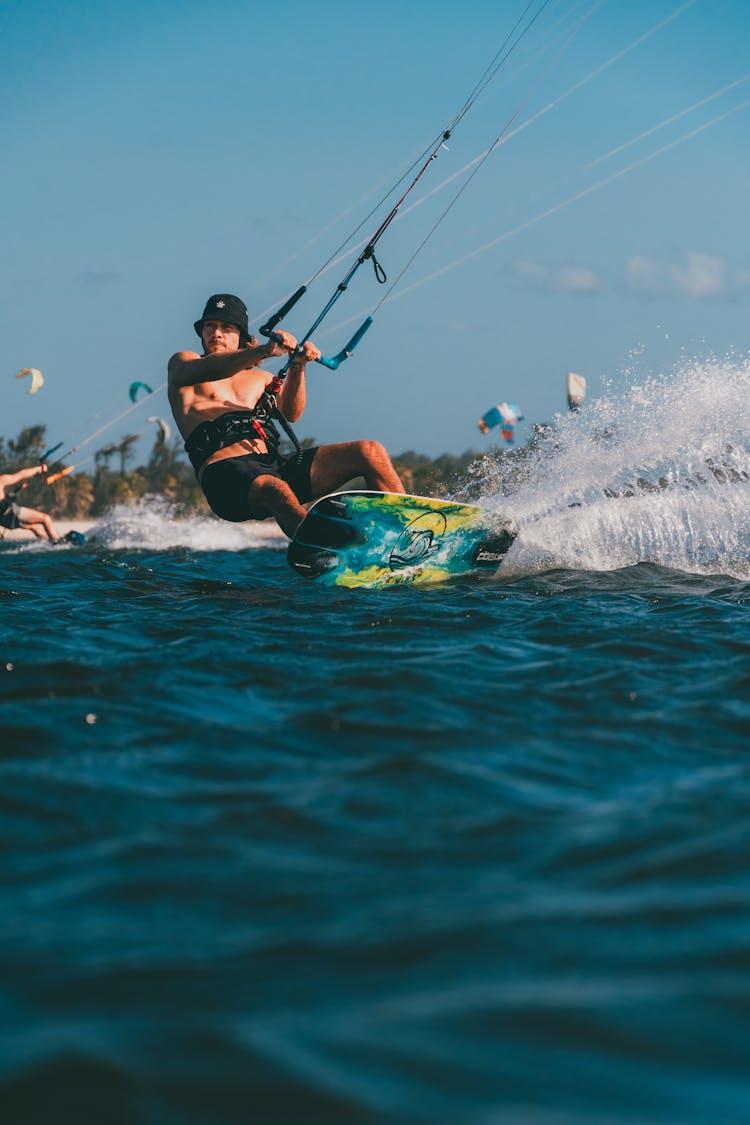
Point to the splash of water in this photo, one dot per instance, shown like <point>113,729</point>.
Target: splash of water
<point>154,524</point>
<point>659,473</point>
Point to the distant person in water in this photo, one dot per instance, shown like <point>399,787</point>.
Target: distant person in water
<point>220,406</point>
<point>13,515</point>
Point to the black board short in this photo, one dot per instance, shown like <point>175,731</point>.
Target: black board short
<point>226,484</point>
<point>9,515</point>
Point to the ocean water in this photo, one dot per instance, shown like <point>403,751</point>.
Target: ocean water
<point>475,853</point>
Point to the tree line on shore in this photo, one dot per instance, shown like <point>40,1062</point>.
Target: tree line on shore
<point>88,493</point>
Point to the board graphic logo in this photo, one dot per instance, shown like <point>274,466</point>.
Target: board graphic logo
<point>419,539</point>
<point>491,552</point>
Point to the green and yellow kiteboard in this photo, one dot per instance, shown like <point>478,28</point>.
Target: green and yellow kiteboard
<point>371,539</point>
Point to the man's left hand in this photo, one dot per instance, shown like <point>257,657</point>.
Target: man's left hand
<point>308,354</point>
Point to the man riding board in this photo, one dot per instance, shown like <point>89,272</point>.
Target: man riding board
<point>13,515</point>
<point>219,404</point>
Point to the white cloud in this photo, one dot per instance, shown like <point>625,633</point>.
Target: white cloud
<point>576,279</point>
<point>561,279</point>
<point>692,274</point>
<point>696,275</point>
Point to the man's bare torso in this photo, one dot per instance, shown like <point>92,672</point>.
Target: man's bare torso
<point>204,402</point>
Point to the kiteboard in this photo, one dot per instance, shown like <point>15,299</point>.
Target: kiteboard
<point>377,539</point>
<point>72,538</point>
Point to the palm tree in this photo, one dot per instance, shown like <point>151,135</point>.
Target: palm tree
<point>102,456</point>
<point>125,450</point>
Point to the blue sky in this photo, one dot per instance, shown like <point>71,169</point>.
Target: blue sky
<point>155,153</point>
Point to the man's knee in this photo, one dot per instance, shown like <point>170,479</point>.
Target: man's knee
<point>265,486</point>
<point>272,493</point>
<point>373,453</point>
<point>277,498</point>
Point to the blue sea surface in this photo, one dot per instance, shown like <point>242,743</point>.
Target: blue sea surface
<point>472,853</point>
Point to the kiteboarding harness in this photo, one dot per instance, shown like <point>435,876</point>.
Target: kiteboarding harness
<point>259,422</point>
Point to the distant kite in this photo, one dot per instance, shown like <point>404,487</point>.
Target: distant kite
<point>505,415</point>
<point>164,428</point>
<point>37,379</point>
<point>576,391</point>
<point>136,387</point>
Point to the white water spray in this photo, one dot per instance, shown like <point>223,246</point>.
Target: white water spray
<point>659,473</point>
<point>154,525</point>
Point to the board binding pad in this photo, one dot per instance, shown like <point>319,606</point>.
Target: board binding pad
<point>375,539</point>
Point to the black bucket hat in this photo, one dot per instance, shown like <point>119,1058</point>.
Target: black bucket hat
<point>229,310</point>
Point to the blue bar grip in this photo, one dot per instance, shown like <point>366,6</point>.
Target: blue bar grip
<point>336,360</point>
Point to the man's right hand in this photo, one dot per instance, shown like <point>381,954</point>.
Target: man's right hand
<point>281,342</point>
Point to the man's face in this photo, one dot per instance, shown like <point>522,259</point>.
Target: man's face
<point>219,337</point>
